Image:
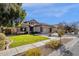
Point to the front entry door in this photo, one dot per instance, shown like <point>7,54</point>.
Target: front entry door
<point>41,29</point>
<point>31,29</point>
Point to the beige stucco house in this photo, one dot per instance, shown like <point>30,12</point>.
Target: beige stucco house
<point>34,26</point>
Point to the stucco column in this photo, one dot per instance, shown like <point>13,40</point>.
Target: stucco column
<point>28,29</point>
<point>50,31</point>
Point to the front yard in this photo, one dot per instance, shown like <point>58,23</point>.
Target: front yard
<point>25,39</point>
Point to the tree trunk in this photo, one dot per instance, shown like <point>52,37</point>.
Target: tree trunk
<point>13,23</point>
<point>60,46</point>
<point>60,41</point>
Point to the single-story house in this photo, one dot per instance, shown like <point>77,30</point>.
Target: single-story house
<point>34,26</point>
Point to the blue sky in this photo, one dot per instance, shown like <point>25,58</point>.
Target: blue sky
<point>52,13</point>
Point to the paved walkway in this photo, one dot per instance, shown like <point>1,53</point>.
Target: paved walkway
<point>20,49</point>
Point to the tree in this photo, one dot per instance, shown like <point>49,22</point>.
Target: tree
<point>61,30</point>
<point>60,34</point>
<point>9,14</point>
<point>72,27</point>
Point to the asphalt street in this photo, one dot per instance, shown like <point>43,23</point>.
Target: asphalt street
<point>75,49</point>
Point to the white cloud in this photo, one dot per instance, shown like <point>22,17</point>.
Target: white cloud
<point>51,11</point>
<point>66,9</point>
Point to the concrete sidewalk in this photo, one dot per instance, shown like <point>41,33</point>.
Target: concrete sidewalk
<point>20,49</point>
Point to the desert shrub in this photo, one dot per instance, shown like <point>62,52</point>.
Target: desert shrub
<point>33,52</point>
<point>2,41</point>
<point>54,44</point>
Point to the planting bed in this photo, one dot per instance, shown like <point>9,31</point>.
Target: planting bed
<point>46,50</point>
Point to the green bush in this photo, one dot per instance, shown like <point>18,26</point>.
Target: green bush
<point>2,41</point>
<point>54,44</point>
<point>33,52</point>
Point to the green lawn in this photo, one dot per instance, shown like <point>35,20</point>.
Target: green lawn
<point>25,39</point>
